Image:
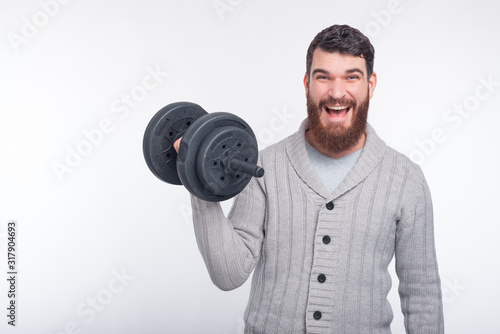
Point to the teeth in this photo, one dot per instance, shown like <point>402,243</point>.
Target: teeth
<point>338,108</point>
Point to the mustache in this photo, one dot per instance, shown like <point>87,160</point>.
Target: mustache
<point>332,101</point>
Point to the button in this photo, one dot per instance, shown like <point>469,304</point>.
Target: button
<point>329,205</point>
<point>326,239</point>
<point>321,278</point>
<point>317,315</point>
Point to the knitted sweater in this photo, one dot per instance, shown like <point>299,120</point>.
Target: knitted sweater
<point>321,259</point>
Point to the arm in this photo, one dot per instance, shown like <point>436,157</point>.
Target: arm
<point>416,264</point>
<point>231,246</point>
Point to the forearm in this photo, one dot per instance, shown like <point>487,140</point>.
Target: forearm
<point>230,246</point>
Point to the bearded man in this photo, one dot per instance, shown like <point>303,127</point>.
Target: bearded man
<point>335,206</point>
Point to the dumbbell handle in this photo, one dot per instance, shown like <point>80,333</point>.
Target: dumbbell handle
<point>236,164</point>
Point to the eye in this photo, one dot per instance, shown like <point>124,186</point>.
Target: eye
<point>353,77</point>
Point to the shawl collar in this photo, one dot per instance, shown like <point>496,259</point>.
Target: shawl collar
<point>371,155</point>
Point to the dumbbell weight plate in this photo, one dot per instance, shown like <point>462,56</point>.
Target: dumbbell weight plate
<point>190,147</point>
<point>214,156</point>
<point>166,126</point>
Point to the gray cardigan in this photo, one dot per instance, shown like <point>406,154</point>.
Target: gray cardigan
<point>321,259</point>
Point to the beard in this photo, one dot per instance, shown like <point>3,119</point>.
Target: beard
<point>337,137</point>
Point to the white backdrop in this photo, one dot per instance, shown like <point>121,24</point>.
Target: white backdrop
<point>105,247</point>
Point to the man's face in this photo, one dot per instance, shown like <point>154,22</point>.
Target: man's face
<point>338,93</point>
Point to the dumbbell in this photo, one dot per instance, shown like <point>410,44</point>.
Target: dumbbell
<point>217,154</point>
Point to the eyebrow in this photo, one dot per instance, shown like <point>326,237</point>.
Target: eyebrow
<point>320,70</point>
<point>356,70</point>
<point>349,71</point>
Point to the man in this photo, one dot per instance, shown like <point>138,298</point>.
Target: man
<point>335,205</point>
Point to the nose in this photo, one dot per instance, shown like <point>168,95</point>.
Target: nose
<point>337,89</point>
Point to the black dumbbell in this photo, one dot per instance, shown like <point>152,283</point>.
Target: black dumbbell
<point>217,155</point>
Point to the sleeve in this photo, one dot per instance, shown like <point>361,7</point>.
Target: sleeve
<point>416,264</point>
<point>231,246</point>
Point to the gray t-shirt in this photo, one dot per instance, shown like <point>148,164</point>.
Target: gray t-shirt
<point>331,171</point>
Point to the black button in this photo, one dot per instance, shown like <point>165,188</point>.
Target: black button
<point>317,315</point>
<point>329,205</point>
<point>326,239</point>
<point>321,278</point>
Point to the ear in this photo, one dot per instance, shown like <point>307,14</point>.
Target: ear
<point>372,82</point>
<point>306,83</point>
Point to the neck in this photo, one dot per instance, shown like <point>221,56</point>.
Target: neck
<point>335,154</point>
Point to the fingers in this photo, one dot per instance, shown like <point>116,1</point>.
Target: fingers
<point>177,143</point>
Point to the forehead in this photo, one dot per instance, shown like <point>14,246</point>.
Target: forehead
<point>336,62</point>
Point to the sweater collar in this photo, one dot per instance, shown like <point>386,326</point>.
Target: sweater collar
<point>370,157</point>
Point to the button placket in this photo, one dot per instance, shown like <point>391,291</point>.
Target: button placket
<point>322,275</point>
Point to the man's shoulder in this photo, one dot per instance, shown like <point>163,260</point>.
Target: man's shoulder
<point>402,165</point>
<point>278,148</point>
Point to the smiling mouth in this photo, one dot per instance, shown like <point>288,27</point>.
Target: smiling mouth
<point>337,111</point>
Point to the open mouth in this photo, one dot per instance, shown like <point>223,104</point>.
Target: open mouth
<point>337,112</point>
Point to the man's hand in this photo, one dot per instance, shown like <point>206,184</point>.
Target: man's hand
<point>177,143</point>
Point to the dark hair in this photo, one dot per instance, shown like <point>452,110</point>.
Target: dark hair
<point>342,39</point>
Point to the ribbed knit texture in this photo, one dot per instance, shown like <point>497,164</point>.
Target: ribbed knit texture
<point>277,226</point>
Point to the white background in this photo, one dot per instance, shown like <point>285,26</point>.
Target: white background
<point>67,68</point>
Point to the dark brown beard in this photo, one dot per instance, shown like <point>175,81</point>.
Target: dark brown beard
<point>335,137</point>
